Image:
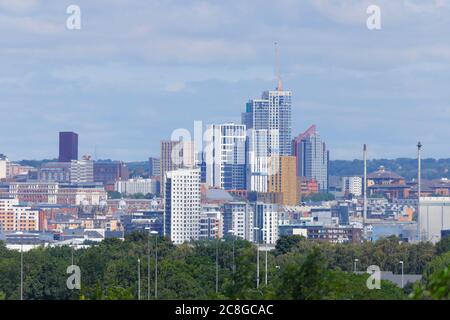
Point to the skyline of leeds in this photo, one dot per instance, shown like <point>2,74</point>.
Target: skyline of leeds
<point>224,156</point>
<point>124,82</point>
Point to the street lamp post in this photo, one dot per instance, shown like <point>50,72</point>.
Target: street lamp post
<point>148,264</point>
<point>156,262</point>
<point>21,269</point>
<point>215,229</point>
<point>257,256</point>
<point>217,265</point>
<point>419,177</point>
<point>265,268</point>
<point>139,278</point>
<point>234,249</point>
<point>401,262</point>
<point>354,266</point>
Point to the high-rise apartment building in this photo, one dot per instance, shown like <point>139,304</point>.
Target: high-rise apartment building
<point>225,156</point>
<point>176,155</point>
<point>68,146</point>
<point>182,205</point>
<point>257,160</point>
<point>272,113</point>
<point>282,179</point>
<point>312,157</point>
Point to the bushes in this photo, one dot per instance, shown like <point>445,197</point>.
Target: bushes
<point>297,269</point>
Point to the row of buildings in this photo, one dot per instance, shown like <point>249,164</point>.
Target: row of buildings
<point>11,170</point>
<point>257,155</point>
<point>244,180</point>
<point>392,186</point>
<point>258,162</point>
<point>54,192</point>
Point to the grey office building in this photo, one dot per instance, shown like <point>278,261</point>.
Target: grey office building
<point>312,157</point>
<point>154,167</point>
<point>272,113</point>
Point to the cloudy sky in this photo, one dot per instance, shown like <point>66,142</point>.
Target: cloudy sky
<point>139,69</point>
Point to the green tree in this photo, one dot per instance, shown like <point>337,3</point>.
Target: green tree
<point>303,278</point>
<point>318,197</point>
<point>118,293</point>
<point>437,287</point>
<point>443,245</point>
<point>286,243</point>
<point>439,263</point>
<point>114,195</point>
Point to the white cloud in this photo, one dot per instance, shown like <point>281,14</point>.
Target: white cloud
<point>137,60</point>
<point>18,6</point>
<point>29,25</point>
<point>392,12</point>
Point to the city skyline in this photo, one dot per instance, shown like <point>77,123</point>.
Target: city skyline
<point>239,152</point>
<point>149,76</point>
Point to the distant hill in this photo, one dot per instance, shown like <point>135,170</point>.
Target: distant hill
<point>138,168</point>
<point>431,168</point>
<point>406,167</point>
<point>34,163</point>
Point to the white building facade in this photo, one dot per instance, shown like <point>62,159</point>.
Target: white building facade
<point>16,217</point>
<point>3,166</point>
<point>81,171</point>
<point>211,222</point>
<point>266,223</point>
<point>134,186</point>
<point>434,217</point>
<point>182,205</point>
<point>352,185</point>
<point>225,156</point>
<point>258,160</point>
<point>238,220</point>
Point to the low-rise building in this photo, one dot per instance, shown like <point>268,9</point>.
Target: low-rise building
<point>143,221</point>
<point>434,217</point>
<point>108,172</point>
<point>54,193</point>
<point>352,186</point>
<point>138,185</point>
<point>326,233</point>
<point>238,219</point>
<point>211,222</point>
<point>16,217</point>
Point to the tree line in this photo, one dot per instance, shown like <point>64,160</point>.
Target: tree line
<point>297,269</point>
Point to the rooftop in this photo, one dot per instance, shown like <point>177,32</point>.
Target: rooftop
<point>382,173</point>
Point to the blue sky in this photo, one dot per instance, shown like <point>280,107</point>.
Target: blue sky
<point>137,70</point>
